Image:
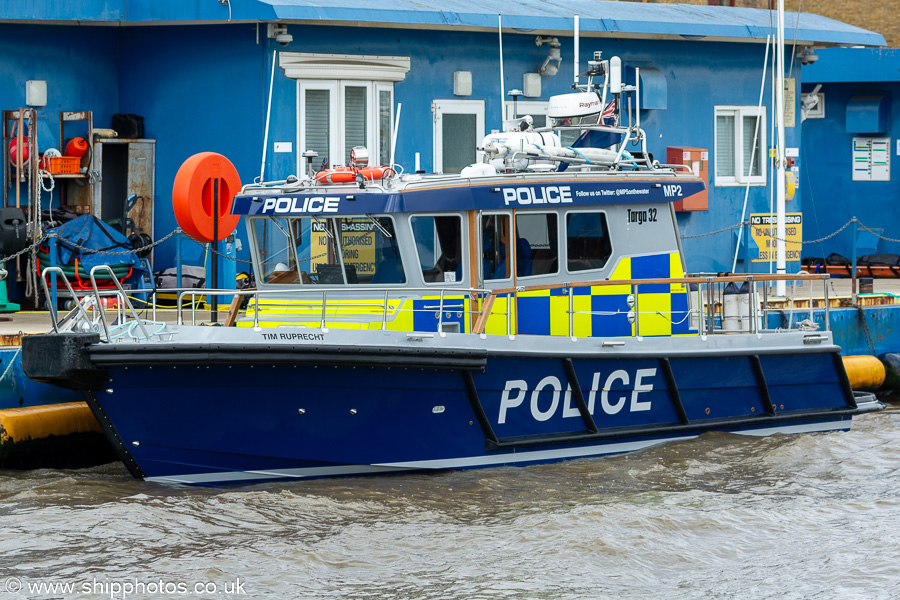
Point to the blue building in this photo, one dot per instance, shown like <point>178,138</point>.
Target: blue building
<point>199,74</point>
<point>850,152</point>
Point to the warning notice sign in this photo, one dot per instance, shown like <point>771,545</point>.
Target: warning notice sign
<point>762,232</point>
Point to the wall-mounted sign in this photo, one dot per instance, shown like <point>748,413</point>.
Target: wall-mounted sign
<point>790,102</point>
<point>871,159</point>
<point>762,232</point>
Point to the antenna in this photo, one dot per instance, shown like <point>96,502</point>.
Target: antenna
<point>575,53</point>
<point>502,94</point>
<point>615,75</point>
<point>262,168</point>
<point>394,137</point>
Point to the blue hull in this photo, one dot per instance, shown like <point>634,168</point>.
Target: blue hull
<point>219,423</point>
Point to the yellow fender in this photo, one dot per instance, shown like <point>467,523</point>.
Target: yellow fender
<point>37,422</point>
<point>864,372</point>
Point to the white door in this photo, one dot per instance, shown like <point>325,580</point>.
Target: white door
<point>458,130</point>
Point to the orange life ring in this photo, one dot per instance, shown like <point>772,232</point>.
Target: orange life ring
<point>192,195</point>
<point>348,174</point>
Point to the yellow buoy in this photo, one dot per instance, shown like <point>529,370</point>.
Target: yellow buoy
<point>864,372</point>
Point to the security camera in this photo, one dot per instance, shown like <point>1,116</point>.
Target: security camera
<point>280,34</point>
<point>807,56</point>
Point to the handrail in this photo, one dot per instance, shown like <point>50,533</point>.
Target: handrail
<point>124,297</point>
<point>54,318</point>
<point>664,280</point>
<point>756,313</point>
<point>323,293</point>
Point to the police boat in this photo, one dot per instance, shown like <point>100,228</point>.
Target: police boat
<point>531,309</point>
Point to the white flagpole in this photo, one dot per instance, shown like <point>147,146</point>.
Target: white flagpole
<point>780,262</point>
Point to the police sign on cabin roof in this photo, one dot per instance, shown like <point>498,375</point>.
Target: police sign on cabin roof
<point>531,195</point>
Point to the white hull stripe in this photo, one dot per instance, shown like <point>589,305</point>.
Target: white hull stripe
<point>472,461</point>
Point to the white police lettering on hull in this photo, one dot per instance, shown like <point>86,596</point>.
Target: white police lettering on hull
<point>550,194</point>
<point>515,392</point>
<point>287,206</point>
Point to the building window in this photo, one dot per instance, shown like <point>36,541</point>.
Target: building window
<point>740,161</point>
<point>335,116</point>
<point>344,101</point>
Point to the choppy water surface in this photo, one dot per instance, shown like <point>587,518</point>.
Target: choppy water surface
<point>723,516</point>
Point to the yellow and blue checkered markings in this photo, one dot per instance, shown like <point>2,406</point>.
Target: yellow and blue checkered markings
<point>597,311</point>
<point>403,314</point>
<point>602,311</point>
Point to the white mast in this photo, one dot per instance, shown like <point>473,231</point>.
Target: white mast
<point>575,52</point>
<point>780,264</point>
<point>502,91</point>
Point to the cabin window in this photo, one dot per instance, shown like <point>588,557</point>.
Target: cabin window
<point>439,247</point>
<point>495,247</point>
<point>276,250</point>
<point>329,251</point>
<point>740,145</point>
<point>587,241</point>
<point>537,244</point>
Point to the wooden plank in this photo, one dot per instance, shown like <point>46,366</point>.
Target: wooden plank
<point>478,327</point>
<point>233,311</point>
<point>474,255</point>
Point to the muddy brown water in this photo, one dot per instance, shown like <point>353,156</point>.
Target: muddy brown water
<point>721,516</point>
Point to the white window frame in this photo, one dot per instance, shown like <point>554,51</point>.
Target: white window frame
<point>302,87</point>
<point>455,107</point>
<point>371,119</point>
<point>381,86</point>
<point>335,72</point>
<point>739,113</point>
<point>336,126</point>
